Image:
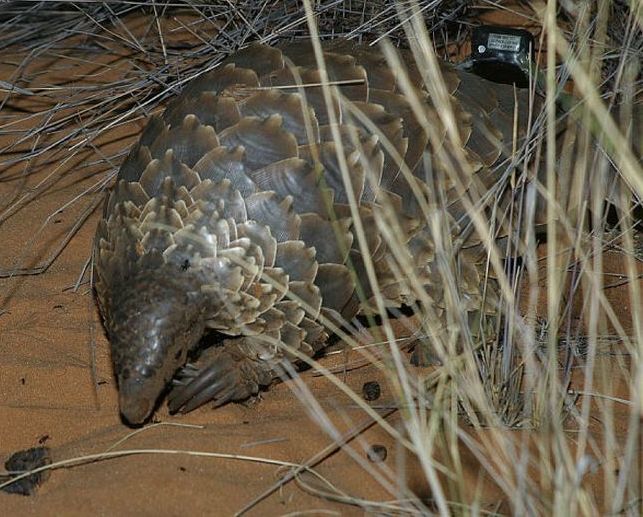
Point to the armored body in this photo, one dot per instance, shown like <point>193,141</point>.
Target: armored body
<point>254,207</point>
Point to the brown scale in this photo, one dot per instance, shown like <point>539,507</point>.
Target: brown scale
<point>232,214</point>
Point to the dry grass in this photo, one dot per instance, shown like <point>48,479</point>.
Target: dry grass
<point>542,408</point>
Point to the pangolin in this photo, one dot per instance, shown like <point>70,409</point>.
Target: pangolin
<point>231,215</point>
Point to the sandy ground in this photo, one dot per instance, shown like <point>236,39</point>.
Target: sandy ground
<point>57,389</point>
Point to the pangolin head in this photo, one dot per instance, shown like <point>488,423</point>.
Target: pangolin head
<point>154,319</point>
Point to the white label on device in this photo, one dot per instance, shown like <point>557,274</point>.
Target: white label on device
<point>504,42</point>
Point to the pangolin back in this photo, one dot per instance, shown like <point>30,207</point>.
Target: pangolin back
<point>231,213</point>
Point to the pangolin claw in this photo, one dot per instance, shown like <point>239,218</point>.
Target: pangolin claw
<point>217,377</point>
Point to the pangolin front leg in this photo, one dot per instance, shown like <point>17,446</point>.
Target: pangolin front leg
<point>231,372</point>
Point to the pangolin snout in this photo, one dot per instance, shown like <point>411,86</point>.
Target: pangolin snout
<point>135,412</point>
<point>137,397</point>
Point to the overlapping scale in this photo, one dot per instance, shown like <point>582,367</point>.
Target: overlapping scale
<point>168,166</point>
<point>265,141</point>
<point>331,239</point>
<point>266,208</point>
<point>188,141</point>
<point>297,119</point>
<point>298,259</point>
<point>226,77</point>
<point>223,163</point>
<point>211,109</point>
<point>296,178</point>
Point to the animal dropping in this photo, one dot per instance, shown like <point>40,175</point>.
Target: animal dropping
<point>232,215</point>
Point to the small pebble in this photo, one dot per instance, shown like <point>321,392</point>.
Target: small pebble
<point>371,390</point>
<point>377,453</point>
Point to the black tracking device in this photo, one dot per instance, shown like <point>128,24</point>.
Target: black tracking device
<point>502,54</point>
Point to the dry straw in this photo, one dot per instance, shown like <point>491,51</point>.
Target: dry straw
<point>538,406</point>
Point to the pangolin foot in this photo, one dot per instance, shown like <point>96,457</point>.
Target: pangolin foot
<point>223,374</point>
